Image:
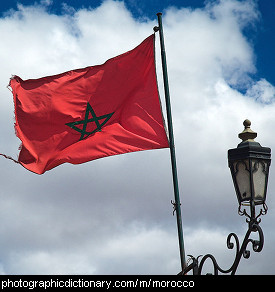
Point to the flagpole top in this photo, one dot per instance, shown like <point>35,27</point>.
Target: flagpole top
<point>157,28</point>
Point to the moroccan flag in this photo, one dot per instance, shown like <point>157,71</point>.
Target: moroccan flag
<point>89,113</point>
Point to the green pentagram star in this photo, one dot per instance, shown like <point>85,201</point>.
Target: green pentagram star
<point>84,133</point>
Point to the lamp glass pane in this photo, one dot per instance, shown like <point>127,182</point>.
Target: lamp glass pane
<point>259,170</point>
<point>243,180</point>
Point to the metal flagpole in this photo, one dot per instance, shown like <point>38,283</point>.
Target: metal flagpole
<point>171,142</point>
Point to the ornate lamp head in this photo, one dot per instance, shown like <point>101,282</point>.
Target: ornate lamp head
<point>249,164</point>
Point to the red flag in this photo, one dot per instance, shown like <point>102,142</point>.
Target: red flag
<point>89,113</point>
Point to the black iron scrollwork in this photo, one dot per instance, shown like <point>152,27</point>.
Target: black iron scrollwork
<point>196,265</point>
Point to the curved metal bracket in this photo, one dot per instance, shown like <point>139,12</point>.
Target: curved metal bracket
<point>252,217</point>
<point>257,246</point>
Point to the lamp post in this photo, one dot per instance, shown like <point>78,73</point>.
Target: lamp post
<point>249,165</point>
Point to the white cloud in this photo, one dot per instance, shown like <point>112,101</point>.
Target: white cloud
<point>114,214</point>
<point>44,262</point>
<point>262,91</point>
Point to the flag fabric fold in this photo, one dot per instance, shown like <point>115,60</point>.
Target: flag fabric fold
<point>90,113</point>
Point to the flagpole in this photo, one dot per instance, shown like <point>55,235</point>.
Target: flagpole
<point>171,142</point>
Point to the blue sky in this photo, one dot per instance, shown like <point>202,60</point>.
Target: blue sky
<point>265,41</point>
<point>261,35</point>
<point>113,215</point>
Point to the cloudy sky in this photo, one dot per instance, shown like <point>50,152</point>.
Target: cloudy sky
<point>113,215</point>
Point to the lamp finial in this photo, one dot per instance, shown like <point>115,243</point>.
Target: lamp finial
<point>247,134</point>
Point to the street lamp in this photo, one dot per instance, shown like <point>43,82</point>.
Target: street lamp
<point>249,164</point>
